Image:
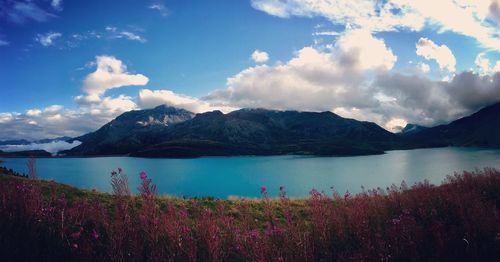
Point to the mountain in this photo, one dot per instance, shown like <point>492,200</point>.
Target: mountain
<point>481,129</point>
<point>411,129</point>
<point>27,153</point>
<point>41,141</point>
<point>130,131</point>
<point>241,132</point>
<point>15,142</point>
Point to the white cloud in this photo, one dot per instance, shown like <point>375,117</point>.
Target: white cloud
<point>482,63</point>
<point>314,79</point>
<point>4,43</point>
<point>371,52</point>
<point>33,112</point>
<point>425,68</point>
<point>326,33</point>
<point>484,66</point>
<point>152,98</point>
<point>48,38</point>
<point>53,109</point>
<point>114,33</point>
<point>440,53</point>
<point>5,117</point>
<point>260,56</point>
<point>465,17</point>
<point>496,68</point>
<point>161,8</point>
<point>57,4</point>
<point>110,73</point>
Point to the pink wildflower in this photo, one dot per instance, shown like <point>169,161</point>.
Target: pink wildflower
<point>143,175</point>
<point>94,234</point>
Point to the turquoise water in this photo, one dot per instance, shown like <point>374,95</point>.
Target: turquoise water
<point>243,176</point>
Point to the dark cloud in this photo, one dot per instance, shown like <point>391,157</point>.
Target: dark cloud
<point>428,102</point>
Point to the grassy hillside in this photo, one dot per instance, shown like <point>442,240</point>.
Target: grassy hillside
<point>458,220</point>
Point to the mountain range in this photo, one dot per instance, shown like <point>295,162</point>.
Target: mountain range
<point>171,132</point>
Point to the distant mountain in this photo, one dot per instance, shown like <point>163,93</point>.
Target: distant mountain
<point>41,141</point>
<point>130,131</point>
<point>412,129</point>
<point>480,129</point>
<point>15,142</point>
<point>27,153</point>
<point>169,132</point>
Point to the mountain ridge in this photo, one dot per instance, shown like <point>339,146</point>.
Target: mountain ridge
<point>172,132</point>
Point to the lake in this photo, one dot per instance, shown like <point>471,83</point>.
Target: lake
<point>222,177</point>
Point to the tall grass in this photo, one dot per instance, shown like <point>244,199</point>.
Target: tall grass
<point>458,220</point>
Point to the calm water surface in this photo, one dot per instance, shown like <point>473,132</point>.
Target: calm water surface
<point>243,176</point>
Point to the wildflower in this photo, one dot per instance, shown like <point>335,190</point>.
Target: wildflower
<point>262,189</point>
<point>396,221</point>
<point>113,173</point>
<point>120,170</point>
<point>143,175</point>
<point>76,235</point>
<point>75,246</point>
<point>253,233</point>
<point>94,234</point>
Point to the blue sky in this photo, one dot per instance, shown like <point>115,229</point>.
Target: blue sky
<point>406,60</point>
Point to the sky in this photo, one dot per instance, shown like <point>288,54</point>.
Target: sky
<point>68,67</point>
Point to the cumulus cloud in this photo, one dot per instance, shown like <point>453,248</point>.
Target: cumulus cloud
<point>483,65</point>
<point>465,17</point>
<point>428,102</point>
<point>260,56</point>
<point>48,38</point>
<point>439,53</point>
<point>424,68</point>
<point>314,79</point>
<point>110,73</point>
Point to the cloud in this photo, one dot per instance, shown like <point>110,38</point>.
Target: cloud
<point>424,68</point>
<point>440,53</point>
<point>314,79</point>
<point>494,9</point>
<point>110,73</point>
<point>152,98</point>
<point>260,56</point>
<point>371,52</point>
<point>465,17</point>
<point>161,8</point>
<point>428,102</point>
<point>326,33</point>
<point>5,117</point>
<point>20,12</point>
<point>114,33</point>
<point>4,43</point>
<point>57,4</point>
<point>51,147</point>
<point>483,65</point>
<point>48,38</point>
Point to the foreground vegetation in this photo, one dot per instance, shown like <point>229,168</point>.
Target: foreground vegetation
<point>42,220</point>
